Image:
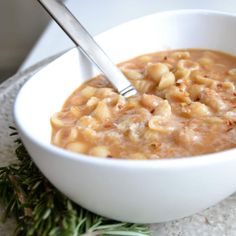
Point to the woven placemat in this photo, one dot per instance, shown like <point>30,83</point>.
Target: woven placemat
<point>219,220</point>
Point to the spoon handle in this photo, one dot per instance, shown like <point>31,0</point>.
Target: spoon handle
<point>78,34</point>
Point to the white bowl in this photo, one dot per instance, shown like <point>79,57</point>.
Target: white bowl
<point>135,191</point>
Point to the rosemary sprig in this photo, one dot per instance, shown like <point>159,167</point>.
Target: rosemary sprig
<point>41,210</point>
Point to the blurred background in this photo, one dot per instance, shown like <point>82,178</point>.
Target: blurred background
<point>27,35</point>
<point>21,24</point>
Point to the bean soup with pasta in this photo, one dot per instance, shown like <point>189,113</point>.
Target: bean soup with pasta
<point>185,106</point>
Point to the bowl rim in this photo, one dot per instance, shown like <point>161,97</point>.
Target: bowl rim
<point>170,163</point>
<point>187,11</point>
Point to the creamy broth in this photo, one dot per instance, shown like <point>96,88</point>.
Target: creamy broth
<point>186,106</point>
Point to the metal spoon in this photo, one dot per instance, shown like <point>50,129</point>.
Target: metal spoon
<point>78,34</point>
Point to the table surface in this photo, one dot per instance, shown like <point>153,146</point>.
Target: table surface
<point>108,13</point>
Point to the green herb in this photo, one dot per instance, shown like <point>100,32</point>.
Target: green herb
<point>41,210</point>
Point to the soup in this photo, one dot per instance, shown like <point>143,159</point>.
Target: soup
<point>185,106</point>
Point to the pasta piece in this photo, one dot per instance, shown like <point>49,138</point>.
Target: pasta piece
<point>158,124</point>
<point>123,125</point>
<point>57,138</point>
<point>183,84</point>
<point>156,71</point>
<point>143,86</point>
<point>145,58</point>
<point>231,78</point>
<point>181,55</point>
<point>62,119</point>
<point>232,71</point>
<point>128,65</point>
<point>92,102</point>
<point>121,102</point>
<point>187,65</point>
<point>150,101</point>
<point>154,123</point>
<point>231,132</point>
<point>102,112</point>
<point>133,133</point>
<point>113,137</point>
<point>228,86</point>
<point>196,109</point>
<point>213,100</point>
<point>205,61</point>
<point>213,120</point>
<point>105,92</point>
<point>231,115</point>
<point>65,135</point>
<point>88,91</point>
<point>77,147</point>
<point>132,74</point>
<point>176,95</point>
<point>195,91</point>
<point>143,115</point>
<point>199,79</point>
<point>77,100</point>
<point>140,118</point>
<point>89,134</point>
<point>151,135</point>
<point>154,157</point>
<point>90,106</point>
<point>132,103</point>
<point>187,138</point>
<point>71,134</point>
<point>163,109</point>
<point>137,156</point>
<point>182,73</point>
<point>100,151</point>
<point>87,121</point>
<point>56,121</point>
<point>166,81</point>
<point>76,111</point>
<point>170,67</point>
